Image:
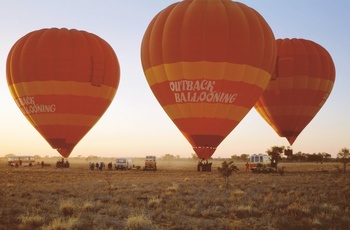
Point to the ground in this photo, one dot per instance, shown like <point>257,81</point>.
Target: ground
<point>176,196</point>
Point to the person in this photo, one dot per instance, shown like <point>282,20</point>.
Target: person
<point>247,166</point>
<point>206,167</point>
<point>101,165</point>
<point>199,166</point>
<point>274,164</point>
<point>42,164</point>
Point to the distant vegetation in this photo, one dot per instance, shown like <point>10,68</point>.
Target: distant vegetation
<point>280,153</point>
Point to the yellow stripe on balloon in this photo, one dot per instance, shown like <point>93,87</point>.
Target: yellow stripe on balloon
<point>64,119</point>
<point>300,82</point>
<point>63,88</point>
<point>207,70</point>
<point>293,110</point>
<point>191,110</point>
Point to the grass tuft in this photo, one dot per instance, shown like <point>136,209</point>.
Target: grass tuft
<point>139,222</point>
<point>67,207</point>
<point>63,224</point>
<point>30,221</point>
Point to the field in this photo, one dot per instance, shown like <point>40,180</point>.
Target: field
<point>306,196</point>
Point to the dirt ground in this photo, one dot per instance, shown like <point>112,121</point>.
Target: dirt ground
<point>176,196</point>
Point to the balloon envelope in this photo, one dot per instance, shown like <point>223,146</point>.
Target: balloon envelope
<point>207,63</point>
<point>63,81</point>
<point>301,83</point>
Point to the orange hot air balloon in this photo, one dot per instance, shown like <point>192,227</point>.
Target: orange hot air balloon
<point>301,83</point>
<point>63,81</point>
<point>207,63</point>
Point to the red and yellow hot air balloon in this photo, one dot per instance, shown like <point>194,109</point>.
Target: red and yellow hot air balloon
<point>207,63</point>
<point>301,83</point>
<point>63,81</point>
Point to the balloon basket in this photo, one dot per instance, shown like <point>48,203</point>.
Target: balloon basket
<point>204,167</point>
<point>62,164</point>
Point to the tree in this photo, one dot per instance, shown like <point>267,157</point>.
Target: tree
<point>244,157</point>
<point>168,157</point>
<point>315,158</point>
<point>344,157</point>
<point>299,156</point>
<point>235,158</point>
<point>194,156</point>
<point>226,170</point>
<point>92,158</point>
<point>275,153</point>
<point>9,155</point>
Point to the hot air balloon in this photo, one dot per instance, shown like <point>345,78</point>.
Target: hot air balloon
<point>63,81</point>
<point>207,63</point>
<point>301,83</point>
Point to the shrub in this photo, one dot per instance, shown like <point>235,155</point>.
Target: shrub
<point>173,188</point>
<point>226,170</point>
<point>62,224</point>
<point>30,221</point>
<point>154,202</point>
<point>139,222</point>
<point>87,206</point>
<point>67,208</point>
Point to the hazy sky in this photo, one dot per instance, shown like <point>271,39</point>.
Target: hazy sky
<point>135,124</point>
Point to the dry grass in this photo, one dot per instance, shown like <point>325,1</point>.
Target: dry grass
<point>307,196</point>
<point>139,222</point>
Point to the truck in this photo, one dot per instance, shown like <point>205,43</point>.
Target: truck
<point>150,163</point>
<point>261,163</point>
<point>123,163</point>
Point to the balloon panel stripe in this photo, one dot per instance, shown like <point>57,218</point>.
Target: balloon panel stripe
<point>290,97</point>
<point>61,131</point>
<point>293,110</point>
<point>205,126</point>
<point>65,120</point>
<point>63,88</point>
<point>201,110</point>
<point>207,70</point>
<point>60,104</point>
<point>300,82</point>
<point>204,91</point>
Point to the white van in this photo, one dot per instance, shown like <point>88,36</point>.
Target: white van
<point>124,163</point>
<point>260,158</point>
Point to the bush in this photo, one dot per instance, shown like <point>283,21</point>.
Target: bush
<point>30,221</point>
<point>139,222</point>
<point>62,224</point>
<point>226,170</point>
<point>67,208</point>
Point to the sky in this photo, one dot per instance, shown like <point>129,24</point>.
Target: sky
<point>135,125</point>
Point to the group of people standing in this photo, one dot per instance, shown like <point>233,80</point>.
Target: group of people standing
<point>100,166</point>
